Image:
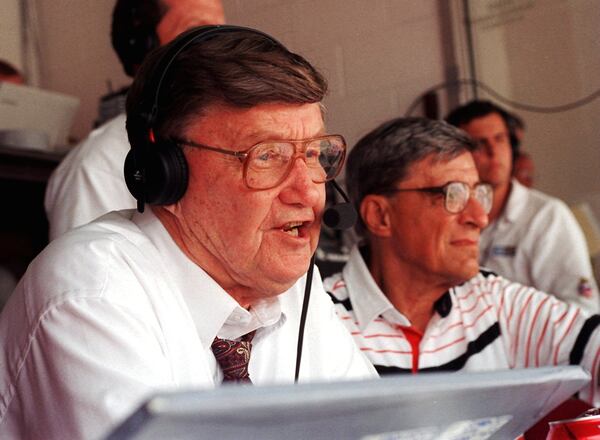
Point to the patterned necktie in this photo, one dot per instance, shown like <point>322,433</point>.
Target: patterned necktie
<point>233,357</point>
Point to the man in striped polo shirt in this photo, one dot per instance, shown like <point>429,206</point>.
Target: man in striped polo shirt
<point>413,294</point>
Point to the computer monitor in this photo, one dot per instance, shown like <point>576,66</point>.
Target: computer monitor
<point>436,406</point>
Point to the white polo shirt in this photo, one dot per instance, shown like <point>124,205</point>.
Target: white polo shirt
<point>89,182</point>
<point>537,241</point>
<point>112,312</point>
<point>487,323</point>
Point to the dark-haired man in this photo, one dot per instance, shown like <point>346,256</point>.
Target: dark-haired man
<point>132,303</point>
<point>412,293</point>
<point>532,238</point>
<point>89,181</point>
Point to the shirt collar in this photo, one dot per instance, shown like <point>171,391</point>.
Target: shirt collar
<point>201,293</point>
<point>368,301</point>
<point>516,202</point>
<point>443,305</point>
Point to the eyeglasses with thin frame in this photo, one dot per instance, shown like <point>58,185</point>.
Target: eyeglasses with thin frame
<point>268,163</point>
<point>457,195</point>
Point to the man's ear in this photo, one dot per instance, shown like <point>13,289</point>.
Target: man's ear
<point>375,214</point>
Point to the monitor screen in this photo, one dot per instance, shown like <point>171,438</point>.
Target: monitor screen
<point>436,406</point>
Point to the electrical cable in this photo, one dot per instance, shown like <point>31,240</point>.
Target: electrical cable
<point>305,301</point>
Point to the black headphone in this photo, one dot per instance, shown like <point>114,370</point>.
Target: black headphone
<point>156,171</point>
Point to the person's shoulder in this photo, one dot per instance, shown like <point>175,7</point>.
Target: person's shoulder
<point>540,210</point>
<point>113,127</point>
<point>105,147</point>
<point>489,283</point>
<point>108,140</point>
<point>537,200</point>
<point>84,252</point>
<point>86,263</point>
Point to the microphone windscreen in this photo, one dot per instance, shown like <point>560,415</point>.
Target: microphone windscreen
<point>340,216</point>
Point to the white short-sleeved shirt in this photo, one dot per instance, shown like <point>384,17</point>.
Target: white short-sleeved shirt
<point>537,241</point>
<point>89,182</point>
<point>486,323</point>
<point>113,311</point>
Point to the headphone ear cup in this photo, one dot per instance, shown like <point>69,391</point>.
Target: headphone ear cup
<point>160,177</point>
<point>134,176</point>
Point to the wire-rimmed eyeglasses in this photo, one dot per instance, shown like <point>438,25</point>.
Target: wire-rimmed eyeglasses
<point>457,195</point>
<point>268,163</point>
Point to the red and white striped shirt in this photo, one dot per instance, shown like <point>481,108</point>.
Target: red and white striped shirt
<point>486,323</point>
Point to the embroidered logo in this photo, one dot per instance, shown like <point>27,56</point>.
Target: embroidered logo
<point>584,287</point>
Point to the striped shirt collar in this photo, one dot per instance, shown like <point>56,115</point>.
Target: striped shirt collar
<point>369,302</point>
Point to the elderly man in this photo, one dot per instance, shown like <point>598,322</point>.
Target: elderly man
<point>532,238</point>
<point>89,181</point>
<point>230,151</point>
<point>413,295</point>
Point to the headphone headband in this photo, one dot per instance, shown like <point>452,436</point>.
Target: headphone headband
<point>195,35</point>
<point>156,170</point>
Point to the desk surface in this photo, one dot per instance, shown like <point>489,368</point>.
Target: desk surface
<point>27,165</point>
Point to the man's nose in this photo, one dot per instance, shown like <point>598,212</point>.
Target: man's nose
<point>490,150</point>
<point>475,214</point>
<point>299,187</point>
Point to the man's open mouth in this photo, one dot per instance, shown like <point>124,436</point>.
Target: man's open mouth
<point>292,228</point>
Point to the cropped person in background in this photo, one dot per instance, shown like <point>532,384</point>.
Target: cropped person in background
<point>532,238</point>
<point>205,285</point>
<point>89,181</point>
<point>9,73</point>
<point>413,295</point>
<point>524,169</point>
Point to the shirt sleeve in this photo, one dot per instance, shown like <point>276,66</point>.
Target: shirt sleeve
<point>539,330</point>
<point>98,360</point>
<point>560,261</point>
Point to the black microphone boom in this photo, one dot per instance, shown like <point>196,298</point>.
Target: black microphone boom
<point>341,215</point>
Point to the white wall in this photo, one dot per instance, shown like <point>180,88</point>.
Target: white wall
<point>378,56</point>
<point>547,53</point>
<point>77,55</point>
<point>10,31</point>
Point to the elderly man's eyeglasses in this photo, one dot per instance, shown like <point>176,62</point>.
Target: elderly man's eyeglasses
<point>268,163</point>
<point>457,194</point>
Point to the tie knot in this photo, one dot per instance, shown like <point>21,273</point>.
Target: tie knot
<point>233,357</point>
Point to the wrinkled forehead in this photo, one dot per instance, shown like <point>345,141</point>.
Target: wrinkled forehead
<point>241,128</point>
<point>435,169</point>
